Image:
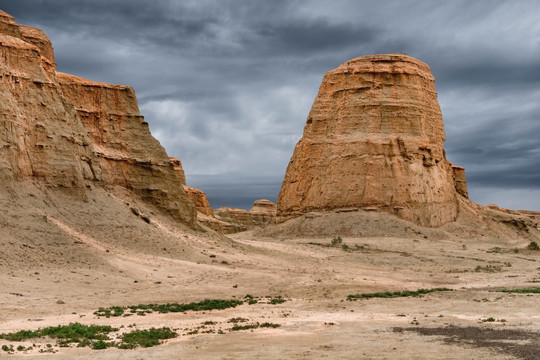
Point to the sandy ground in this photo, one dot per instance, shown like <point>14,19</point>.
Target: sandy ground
<point>315,278</point>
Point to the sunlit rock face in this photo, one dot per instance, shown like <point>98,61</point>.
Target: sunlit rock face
<point>373,139</point>
<point>72,134</point>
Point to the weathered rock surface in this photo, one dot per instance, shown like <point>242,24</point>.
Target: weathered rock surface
<point>262,213</point>
<point>72,134</point>
<point>373,139</point>
<point>460,181</point>
<point>178,169</point>
<point>198,197</point>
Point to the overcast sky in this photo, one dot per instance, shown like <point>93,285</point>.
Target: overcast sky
<point>227,85</point>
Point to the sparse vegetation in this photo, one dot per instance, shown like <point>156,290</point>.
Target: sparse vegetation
<point>337,241</point>
<point>533,245</point>
<point>488,268</point>
<point>522,291</point>
<point>237,320</point>
<point>395,294</point>
<point>277,300</point>
<point>93,336</point>
<point>143,309</point>
<point>254,326</point>
<point>146,338</point>
<point>492,319</point>
<point>84,335</point>
<point>72,333</point>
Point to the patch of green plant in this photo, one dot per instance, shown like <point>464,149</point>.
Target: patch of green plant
<point>277,300</point>
<point>100,345</point>
<point>143,309</point>
<point>269,325</point>
<point>244,327</point>
<point>488,268</point>
<point>108,312</point>
<point>533,245</point>
<point>337,241</point>
<point>395,294</point>
<point>495,250</point>
<point>146,338</point>
<point>237,320</point>
<point>72,333</point>
<point>256,325</point>
<point>492,319</point>
<point>250,299</point>
<point>522,291</point>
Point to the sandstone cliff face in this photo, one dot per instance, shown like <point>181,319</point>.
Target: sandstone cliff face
<point>374,138</point>
<point>178,169</point>
<point>460,181</point>
<point>198,197</point>
<point>72,134</point>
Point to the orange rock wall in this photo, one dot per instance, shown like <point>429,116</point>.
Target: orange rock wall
<point>373,138</point>
<point>72,134</point>
<point>198,197</point>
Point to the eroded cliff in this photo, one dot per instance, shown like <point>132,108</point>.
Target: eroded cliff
<point>374,139</point>
<point>72,134</point>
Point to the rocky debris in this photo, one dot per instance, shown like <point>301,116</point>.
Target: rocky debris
<point>71,134</point>
<point>460,181</point>
<point>373,138</point>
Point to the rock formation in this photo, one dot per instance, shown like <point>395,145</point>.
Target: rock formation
<point>198,197</point>
<point>460,181</point>
<point>373,139</point>
<point>178,169</point>
<point>72,134</point>
<point>262,213</point>
<point>225,220</point>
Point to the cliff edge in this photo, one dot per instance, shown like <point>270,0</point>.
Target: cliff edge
<point>73,135</point>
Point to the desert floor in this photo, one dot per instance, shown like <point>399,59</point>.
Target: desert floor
<point>316,320</point>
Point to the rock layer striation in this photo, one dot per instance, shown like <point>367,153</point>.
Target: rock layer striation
<point>373,139</point>
<point>71,134</point>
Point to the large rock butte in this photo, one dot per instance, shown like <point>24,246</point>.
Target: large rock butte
<point>70,134</point>
<point>373,139</point>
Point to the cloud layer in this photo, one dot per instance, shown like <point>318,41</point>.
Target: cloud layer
<point>227,85</point>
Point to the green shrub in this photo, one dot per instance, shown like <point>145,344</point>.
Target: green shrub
<point>395,294</point>
<point>337,241</point>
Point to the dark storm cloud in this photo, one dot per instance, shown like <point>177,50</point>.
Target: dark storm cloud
<point>227,85</point>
